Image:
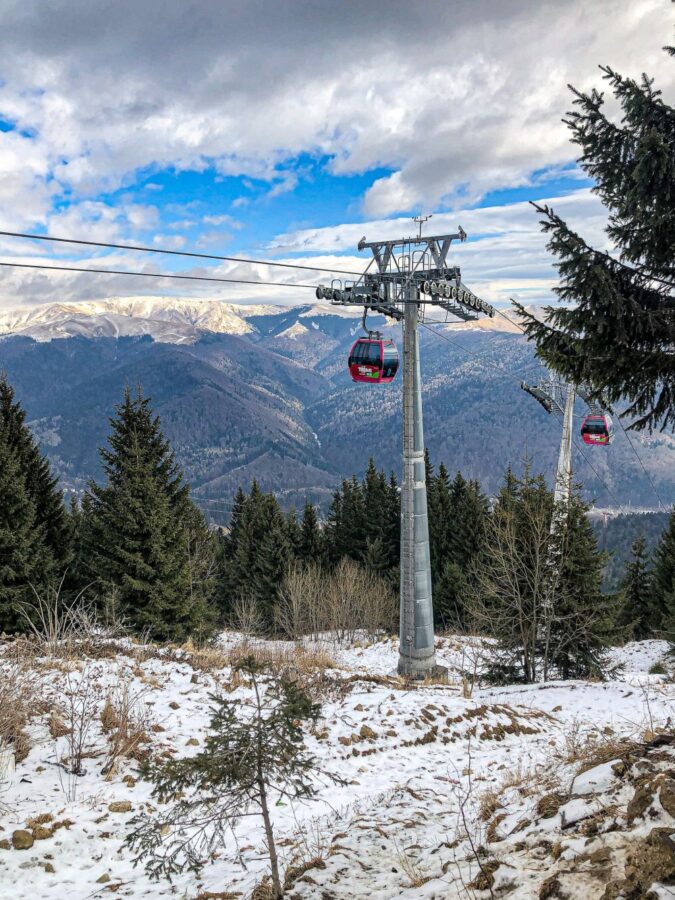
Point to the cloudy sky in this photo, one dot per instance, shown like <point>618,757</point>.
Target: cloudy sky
<point>290,129</point>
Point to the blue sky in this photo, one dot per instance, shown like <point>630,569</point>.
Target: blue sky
<point>253,216</point>
<point>292,132</point>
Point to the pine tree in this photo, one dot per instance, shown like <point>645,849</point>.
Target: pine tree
<point>382,534</point>
<point>270,561</point>
<point>618,333</point>
<point>22,547</point>
<point>584,619</point>
<point>663,581</point>
<point>346,529</point>
<point>202,565</point>
<point>510,585</point>
<point>310,549</point>
<point>364,522</point>
<point>257,553</point>
<point>138,530</point>
<point>443,571</point>
<point>392,531</point>
<point>635,589</point>
<point>457,514</point>
<point>41,487</point>
<point>293,532</point>
<point>252,752</point>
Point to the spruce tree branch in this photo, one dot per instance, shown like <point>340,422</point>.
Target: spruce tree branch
<point>552,221</point>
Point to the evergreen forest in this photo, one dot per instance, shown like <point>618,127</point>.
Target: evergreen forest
<point>141,552</point>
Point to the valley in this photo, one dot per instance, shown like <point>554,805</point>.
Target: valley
<point>262,392</point>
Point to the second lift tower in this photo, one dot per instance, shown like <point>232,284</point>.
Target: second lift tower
<point>412,272</point>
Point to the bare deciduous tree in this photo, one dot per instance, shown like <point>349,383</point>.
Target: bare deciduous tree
<point>512,586</point>
<point>344,603</point>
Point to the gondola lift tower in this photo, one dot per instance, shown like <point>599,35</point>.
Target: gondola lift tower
<point>410,274</point>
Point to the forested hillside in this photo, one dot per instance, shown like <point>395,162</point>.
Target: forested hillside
<point>274,402</point>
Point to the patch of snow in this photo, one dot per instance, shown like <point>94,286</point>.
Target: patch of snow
<point>639,656</point>
<point>595,780</point>
<point>407,758</point>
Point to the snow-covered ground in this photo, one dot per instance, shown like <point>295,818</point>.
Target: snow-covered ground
<point>431,775</point>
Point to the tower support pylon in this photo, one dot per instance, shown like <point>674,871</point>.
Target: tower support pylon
<point>417,658</point>
<point>412,273</point>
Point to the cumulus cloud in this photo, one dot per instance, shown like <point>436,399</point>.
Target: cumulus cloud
<point>455,98</point>
<point>505,256</point>
<point>452,100</point>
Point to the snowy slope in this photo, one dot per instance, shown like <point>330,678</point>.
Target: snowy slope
<point>165,318</point>
<point>415,763</point>
<point>171,320</point>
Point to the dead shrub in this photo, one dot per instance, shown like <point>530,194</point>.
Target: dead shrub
<point>79,706</point>
<point>18,703</point>
<point>125,720</point>
<point>346,602</point>
<point>247,617</point>
<point>71,629</point>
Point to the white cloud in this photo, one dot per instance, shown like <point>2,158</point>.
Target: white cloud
<point>230,221</point>
<point>457,99</point>
<point>453,99</point>
<point>506,255</point>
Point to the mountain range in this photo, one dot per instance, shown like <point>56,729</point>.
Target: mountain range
<point>264,392</point>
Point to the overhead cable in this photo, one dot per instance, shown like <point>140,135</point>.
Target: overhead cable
<point>153,275</point>
<point>137,247</point>
<point>512,377</point>
<point>637,456</point>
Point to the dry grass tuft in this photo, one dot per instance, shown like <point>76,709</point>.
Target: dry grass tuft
<point>590,750</point>
<point>295,871</point>
<point>109,717</point>
<point>263,890</point>
<point>207,659</point>
<point>125,720</point>
<point>412,870</point>
<point>549,804</point>
<point>57,727</point>
<point>488,803</point>
<point>42,819</point>
<point>19,702</point>
<point>300,659</point>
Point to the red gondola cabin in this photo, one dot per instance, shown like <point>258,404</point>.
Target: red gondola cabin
<point>373,361</point>
<point>597,430</point>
